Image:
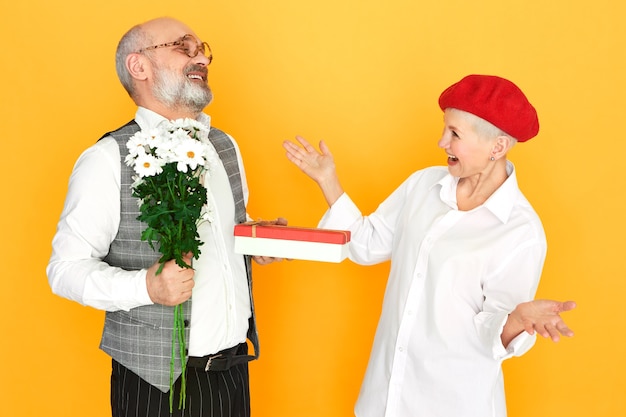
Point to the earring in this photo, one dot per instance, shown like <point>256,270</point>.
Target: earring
<point>492,158</point>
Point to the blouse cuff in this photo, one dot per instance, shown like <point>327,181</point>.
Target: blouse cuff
<point>517,347</point>
<point>341,215</point>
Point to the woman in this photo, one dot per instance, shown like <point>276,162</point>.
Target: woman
<point>466,251</point>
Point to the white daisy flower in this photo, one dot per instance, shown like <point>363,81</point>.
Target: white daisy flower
<point>137,143</point>
<point>181,123</point>
<point>166,149</point>
<point>189,154</point>
<point>148,165</point>
<point>188,124</point>
<point>154,137</point>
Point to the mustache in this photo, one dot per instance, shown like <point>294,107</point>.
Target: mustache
<point>197,68</point>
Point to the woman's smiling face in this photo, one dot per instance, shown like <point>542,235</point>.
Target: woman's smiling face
<point>468,152</point>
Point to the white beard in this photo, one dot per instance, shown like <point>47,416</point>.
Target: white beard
<point>177,92</point>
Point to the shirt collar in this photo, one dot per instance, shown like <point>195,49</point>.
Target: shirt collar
<point>500,203</point>
<point>147,119</point>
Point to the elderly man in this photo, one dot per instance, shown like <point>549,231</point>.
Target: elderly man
<point>99,259</point>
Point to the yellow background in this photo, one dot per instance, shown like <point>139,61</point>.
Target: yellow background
<point>365,76</point>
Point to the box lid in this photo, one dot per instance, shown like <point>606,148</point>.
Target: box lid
<point>307,234</point>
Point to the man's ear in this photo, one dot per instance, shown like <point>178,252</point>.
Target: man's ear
<point>137,66</point>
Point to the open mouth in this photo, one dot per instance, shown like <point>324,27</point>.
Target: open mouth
<point>196,72</point>
<point>195,77</point>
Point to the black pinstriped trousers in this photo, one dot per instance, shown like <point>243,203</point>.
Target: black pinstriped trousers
<point>209,394</point>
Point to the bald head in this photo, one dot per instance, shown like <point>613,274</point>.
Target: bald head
<point>144,34</point>
<point>164,29</point>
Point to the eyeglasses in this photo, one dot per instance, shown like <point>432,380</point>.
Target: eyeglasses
<point>187,44</point>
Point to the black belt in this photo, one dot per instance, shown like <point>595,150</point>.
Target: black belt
<point>222,360</point>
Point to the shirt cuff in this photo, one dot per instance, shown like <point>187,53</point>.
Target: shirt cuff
<point>341,215</point>
<point>517,347</point>
<point>125,291</point>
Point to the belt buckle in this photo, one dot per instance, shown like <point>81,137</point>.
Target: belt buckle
<point>208,363</point>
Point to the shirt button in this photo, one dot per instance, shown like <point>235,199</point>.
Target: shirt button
<point>401,349</point>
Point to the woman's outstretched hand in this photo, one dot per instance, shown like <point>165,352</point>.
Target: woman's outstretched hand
<point>318,165</point>
<point>541,316</point>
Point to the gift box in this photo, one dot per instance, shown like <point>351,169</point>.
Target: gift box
<point>289,242</point>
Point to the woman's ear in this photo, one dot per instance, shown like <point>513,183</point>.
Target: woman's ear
<point>501,146</point>
<point>137,66</point>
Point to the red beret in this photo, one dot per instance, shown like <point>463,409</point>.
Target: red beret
<point>498,101</point>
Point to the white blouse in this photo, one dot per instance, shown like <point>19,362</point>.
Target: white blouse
<point>455,276</point>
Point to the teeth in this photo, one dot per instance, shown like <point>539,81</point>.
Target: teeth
<point>195,76</point>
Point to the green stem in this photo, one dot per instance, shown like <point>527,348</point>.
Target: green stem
<point>183,356</point>
<point>178,337</point>
<point>172,362</point>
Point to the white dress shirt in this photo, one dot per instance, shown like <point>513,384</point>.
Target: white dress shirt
<point>89,223</point>
<point>455,275</point>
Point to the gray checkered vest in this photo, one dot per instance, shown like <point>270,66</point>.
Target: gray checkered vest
<point>141,339</point>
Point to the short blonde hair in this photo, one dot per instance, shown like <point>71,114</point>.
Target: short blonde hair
<point>481,126</point>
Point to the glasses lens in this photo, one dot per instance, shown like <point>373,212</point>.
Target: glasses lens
<point>206,50</point>
<point>192,48</point>
<point>190,45</point>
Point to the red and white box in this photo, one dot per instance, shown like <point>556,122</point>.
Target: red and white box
<point>289,242</point>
